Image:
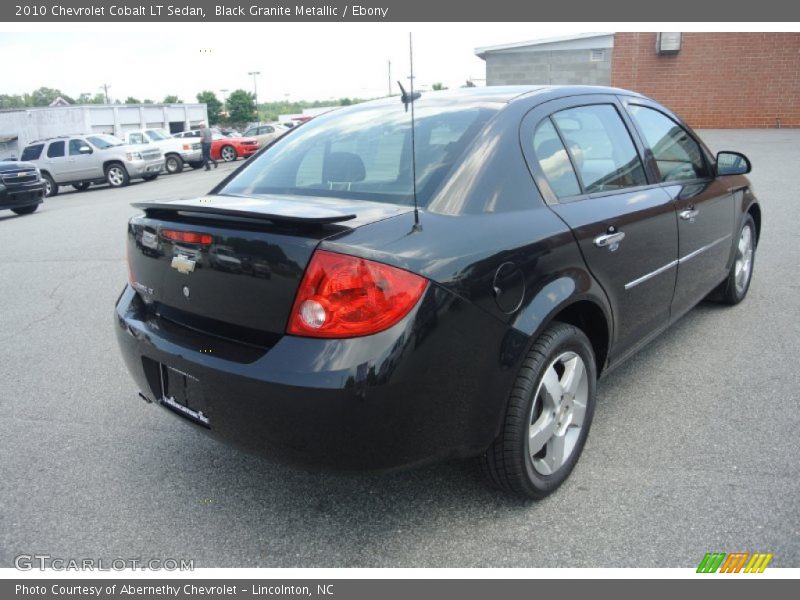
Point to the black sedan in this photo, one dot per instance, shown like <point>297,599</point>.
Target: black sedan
<point>556,231</point>
<point>21,187</point>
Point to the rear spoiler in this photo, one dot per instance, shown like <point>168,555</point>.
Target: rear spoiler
<point>289,212</point>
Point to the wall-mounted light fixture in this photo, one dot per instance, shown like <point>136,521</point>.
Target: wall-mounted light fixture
<point>668,43</point>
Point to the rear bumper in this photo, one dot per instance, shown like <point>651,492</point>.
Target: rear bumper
<point>21,196</point>
<point>433,386</point>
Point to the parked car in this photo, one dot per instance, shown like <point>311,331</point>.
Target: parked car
<point>226,131</point>
<point>21,187</point>
<point>81,160</point>
<point>559,229</point>
<point>266,134</point>
<point>177,152</point>
<point>227,148</point>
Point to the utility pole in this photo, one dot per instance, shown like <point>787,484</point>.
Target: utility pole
<point>223,92</point>
<point>105,87</point>
<point>390,78</point>
<point>255,92</point>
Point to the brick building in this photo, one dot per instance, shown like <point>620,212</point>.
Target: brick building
<point>713,80</point>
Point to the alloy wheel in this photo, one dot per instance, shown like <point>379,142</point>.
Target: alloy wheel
<point>115,176</point>
<point>557,413</point>
<point>743,266</point>
<point>228,154</point>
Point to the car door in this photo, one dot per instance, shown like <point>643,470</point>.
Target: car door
<point>589,169</point>
<point>55,161</point>
<point>705,206</point>
<point>80,162</point>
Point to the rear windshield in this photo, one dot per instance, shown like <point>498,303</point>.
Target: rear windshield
<point>365,153</point>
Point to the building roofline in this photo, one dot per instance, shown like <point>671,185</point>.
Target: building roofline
<point>72,106</point>
<point>482,51</point>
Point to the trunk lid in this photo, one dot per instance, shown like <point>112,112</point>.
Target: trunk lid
<point>236,278</point>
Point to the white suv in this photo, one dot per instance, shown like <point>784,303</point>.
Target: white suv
<point>81,160</point>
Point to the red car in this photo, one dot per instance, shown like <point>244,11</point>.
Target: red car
<point>229,148</point>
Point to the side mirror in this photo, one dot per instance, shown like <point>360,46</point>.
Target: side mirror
<point>85,150</point>
<point>732,163</point>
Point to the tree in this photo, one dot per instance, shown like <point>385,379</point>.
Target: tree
<point>172,100</point>
<point>437,87</point>
<point>45,95</point>
<point>132,100</point>
<point>345,102</point>
<point>241,107</point>
<point>89,99</point>
<point>11,101</point>
<point>147,101</point>
<point>213,105</point>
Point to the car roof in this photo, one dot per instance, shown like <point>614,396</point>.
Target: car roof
<point>507,94</point>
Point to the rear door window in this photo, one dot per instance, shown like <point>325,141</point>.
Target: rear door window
<point>601,148</point>
<point>677,155</point>
<point>554,161</point>
<point>55,150</point>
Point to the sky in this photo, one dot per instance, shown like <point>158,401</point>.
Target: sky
<point>297,61</point>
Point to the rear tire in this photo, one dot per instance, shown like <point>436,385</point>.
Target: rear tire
<point>548,415</point>
<point>117,175</point>
<point>173,164</point>
<point>197,164</point>
<point>25,210</point>
<point>735,287</point>
<point>50,186</point>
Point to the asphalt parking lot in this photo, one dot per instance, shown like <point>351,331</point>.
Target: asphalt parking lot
<point>694,446</point>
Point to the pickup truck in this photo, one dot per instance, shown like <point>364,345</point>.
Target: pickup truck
<point>21,187</point>
<point>177,152</point>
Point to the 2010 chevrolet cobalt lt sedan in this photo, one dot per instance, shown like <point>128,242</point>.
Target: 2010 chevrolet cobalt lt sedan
<point>306,309</point>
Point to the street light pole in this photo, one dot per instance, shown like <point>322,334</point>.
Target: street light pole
<point>105,87</point>
<point>255,93</point>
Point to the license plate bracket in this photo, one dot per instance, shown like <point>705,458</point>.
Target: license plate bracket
<point>182,393</point>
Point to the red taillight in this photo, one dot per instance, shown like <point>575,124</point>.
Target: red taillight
<point>344,296</point>
<point>187,237</point>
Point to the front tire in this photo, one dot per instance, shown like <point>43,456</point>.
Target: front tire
<point>50,186</point>
<point>548,416</point>
<point>735,287</point>
<point>117,175</point>
<point>25,210</point>
<point>173,164</point>
<point>149,177</point>
<point>228,153</point>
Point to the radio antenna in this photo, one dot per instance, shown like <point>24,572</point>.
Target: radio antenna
<point>407,99</point>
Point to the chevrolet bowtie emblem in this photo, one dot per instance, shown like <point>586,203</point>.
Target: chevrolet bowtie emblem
<point>183,264</point>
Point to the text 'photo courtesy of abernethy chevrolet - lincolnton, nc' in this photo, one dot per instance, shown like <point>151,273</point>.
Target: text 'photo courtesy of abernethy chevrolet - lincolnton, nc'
<point>434,276</point>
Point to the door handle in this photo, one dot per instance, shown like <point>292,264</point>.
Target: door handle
<point>689,214</point>
<point>609,240</point>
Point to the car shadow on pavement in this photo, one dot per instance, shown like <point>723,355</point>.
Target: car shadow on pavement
<point>300,517</point>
